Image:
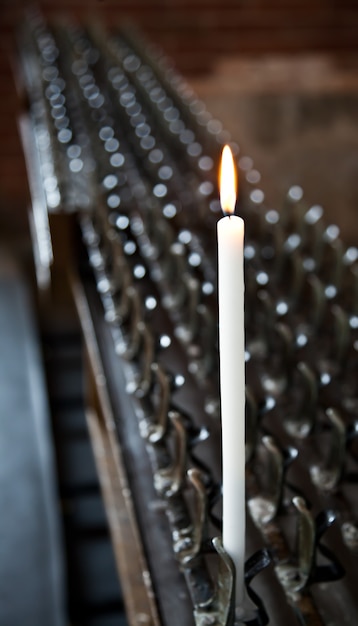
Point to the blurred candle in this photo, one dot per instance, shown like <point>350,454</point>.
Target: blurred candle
<point>230,233</point>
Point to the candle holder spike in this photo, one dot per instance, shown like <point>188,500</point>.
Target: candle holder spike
<point>334,253</point>
<point>280,351</point>
<point>278,241</point>
<point>341,334</point>
<point>142,380</point>
<point>318,300</point>
<point>120,281</point>
<point>119,264</point>
<point>205,337</point>
<point>168,481</point>
<point>294,208</point>
<point>328,474</point>
<point>154,425</point>
<point>222,610</point>
<point>174,269</point>
<point>264,508</point>
<point>293,274</point>
<point>261,313</point>
<point>297,577</point>
<point>350,535</point>
<point>199,535</point>
<point>196,434</point>
<point>187,328</point>
<point>162,239</point>
<point>332,570</point>
<point>302,423</point>
<point>129,346</point>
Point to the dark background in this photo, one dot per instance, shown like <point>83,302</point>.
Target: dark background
<point>200,35</point>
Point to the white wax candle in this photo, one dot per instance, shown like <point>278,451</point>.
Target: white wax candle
<point>230,233</point>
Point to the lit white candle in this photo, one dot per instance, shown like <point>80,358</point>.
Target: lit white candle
<point>230,233</point>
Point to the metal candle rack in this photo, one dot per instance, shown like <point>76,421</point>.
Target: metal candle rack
<point>124,142</point>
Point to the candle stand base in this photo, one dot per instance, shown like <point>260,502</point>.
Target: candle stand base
<point>221,610</point>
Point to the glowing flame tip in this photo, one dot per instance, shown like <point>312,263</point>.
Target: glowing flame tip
<point>227,181</point>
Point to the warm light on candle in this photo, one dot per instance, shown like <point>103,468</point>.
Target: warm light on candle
<point>227,181</point>
<point>230,232</point>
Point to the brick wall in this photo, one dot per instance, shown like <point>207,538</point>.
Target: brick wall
<point>193,32</point>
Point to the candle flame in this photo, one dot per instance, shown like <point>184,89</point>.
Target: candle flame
<point>227,181</point>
